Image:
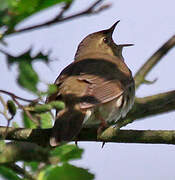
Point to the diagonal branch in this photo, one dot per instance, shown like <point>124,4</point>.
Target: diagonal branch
<point>152,61</point>
<point>17,97</point>
<point>58,19</point>
<point>149,106</point>
<point>66,7</point>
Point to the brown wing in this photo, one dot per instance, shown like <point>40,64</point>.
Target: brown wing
<point>101,89</point>
<point>89,90</point>
<point>90,82</point>
<point>60,80</point>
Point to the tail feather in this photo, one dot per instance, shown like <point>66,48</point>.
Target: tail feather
<point>67,125</point>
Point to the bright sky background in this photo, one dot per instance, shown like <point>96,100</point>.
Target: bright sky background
<point>147,24</point>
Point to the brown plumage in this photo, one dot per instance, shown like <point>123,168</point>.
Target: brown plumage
<point>97,87</point>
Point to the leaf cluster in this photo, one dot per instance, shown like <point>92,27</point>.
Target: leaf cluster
<point>35,114</point>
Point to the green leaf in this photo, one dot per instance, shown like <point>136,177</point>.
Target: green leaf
<point>5,17</point>
<point>32,165</point>
<point>11,107</point>
<point>4,5</point>
<point>26,8</point>
<point>46,120</point>
<point>2,146</point>
<point>41,108</point>
<point>46,3</point>
<point>65,172</point>
<point>52,88</point>
<point>28,123</point>
<point>8,174</point>
<point>27,78</point>
<point>57,105</point>
<point>67,152</point>
<point>15,124</point>
<point>14,11</point>
<point>26,56</point>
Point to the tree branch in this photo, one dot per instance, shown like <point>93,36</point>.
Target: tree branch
<point>41,136</point>
<point>130,136</point>
<point>26,151</point>
<point>16,151</point>
<point>143,107</point>
<point>149,106</point>
<point>38,136</point>
<point>152,61</point>
<point>59,19</point>
<point>17,97</point>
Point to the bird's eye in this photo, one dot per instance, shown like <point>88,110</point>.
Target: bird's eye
<point>105,40</point>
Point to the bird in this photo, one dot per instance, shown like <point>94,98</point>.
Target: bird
<point>97,87</point>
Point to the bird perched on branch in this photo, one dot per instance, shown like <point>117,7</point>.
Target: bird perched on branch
<point>97,87</point>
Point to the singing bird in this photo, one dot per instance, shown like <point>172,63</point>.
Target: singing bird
<point>97,87</point>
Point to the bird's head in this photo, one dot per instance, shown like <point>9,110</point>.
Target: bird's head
<point>101,42</point>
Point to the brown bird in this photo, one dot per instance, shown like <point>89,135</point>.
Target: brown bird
<point>97,87</point>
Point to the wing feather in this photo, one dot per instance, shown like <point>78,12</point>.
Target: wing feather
<point>91,82</point>
<point>101,89</point>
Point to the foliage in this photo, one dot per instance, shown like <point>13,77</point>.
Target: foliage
<point>37,160</point>
<point>58,172</point>
<point>35,113</point>
<point>7,173</point>
<point>13,12</point>
<point>65,154</point>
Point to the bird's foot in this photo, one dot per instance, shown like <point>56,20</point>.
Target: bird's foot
<point>100,130</point>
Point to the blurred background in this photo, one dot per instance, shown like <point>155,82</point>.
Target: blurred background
<point>146,24</point>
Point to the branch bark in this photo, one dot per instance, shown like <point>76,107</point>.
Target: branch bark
<point>41,136</point>
<point>59,18</point>
<point>16,151</point>
<point>143,107</point>
<point>27,151</point>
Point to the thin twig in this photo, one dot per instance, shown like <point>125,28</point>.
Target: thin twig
<point>14,97</point>
<point>64,9</point>
<point>27,112</point>
<point>17,97</point>
<point>8,124</point>
<point>57,19</point>
<point>152,61</point>
<point>4,112</point>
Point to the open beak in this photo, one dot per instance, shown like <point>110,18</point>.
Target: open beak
<point>125,45</point>
<point>111,29</point>
<point>110,32</point>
